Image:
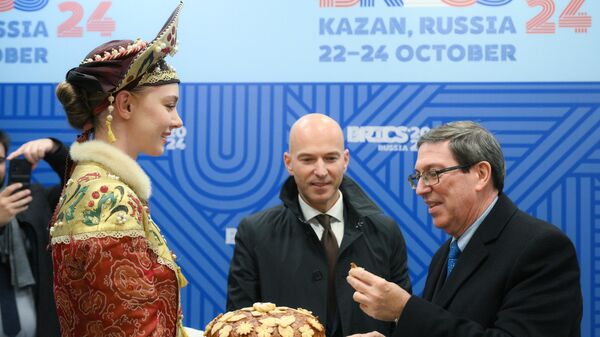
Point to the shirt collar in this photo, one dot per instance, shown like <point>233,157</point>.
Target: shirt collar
<point>464,239</point>
<point>336,211</point>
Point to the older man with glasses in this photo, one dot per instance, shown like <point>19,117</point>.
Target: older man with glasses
<point>502,272</point>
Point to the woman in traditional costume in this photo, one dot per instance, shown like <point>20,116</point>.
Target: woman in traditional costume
<point>113,272</point>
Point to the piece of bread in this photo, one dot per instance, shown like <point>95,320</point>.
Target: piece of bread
<point>265,320</point>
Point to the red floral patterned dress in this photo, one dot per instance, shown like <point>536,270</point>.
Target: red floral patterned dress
<point>113,272</point>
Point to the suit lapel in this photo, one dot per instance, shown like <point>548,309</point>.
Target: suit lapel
<point>433,282</point>
<point>476,251</point>
<point>473,256</point>
<point>437,274</point>
<point>352,229</point>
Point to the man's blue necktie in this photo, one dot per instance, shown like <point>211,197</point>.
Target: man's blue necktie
<point>452,256</point>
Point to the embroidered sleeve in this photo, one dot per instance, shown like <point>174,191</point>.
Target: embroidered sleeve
<point>97,206</point>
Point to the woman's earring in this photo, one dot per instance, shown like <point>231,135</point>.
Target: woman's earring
<point>109,118</point>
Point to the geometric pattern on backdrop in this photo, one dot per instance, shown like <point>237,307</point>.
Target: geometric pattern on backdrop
<point>228,162</point>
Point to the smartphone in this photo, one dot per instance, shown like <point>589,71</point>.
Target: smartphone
<point>19,171</point>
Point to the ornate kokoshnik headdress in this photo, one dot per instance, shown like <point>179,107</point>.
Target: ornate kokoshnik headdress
<point>125,64</point>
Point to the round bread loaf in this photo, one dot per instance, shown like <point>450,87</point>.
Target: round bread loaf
<point>265,320</point>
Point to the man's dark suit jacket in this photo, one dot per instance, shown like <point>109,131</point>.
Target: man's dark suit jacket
<point>278,258</point>
<point>518,276</point>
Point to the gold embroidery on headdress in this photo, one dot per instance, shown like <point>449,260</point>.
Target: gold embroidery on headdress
<point>159,74</point>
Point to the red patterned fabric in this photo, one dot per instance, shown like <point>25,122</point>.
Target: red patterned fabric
<point>113,287</point>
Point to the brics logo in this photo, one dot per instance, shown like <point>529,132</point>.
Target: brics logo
<point>361,3</point>
<point>410,3</point>
<point>22,5</point>
<point>388,138</point>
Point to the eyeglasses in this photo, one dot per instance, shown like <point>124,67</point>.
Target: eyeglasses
<point>432,177</point>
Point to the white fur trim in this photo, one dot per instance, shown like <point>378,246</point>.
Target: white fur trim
<point>115,161</point>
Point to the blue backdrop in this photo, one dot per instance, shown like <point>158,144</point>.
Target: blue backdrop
<point>248,78</point>
<point>231,164</point>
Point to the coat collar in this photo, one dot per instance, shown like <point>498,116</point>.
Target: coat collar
<point>115,161</point>
<point>474,254</point>
<point>354,197</point>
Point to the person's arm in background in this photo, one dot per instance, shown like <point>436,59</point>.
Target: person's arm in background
<point>55,153</point>
<point>13,202</point>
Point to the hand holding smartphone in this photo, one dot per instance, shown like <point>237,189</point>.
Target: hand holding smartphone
<point>19,171</point>
<point>14,201</point>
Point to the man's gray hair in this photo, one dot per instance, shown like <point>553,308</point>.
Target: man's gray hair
<point>470,143</point>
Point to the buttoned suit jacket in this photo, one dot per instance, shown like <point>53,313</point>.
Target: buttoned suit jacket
<point>517,276</point>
